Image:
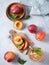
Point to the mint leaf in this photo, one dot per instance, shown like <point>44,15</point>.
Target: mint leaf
<point>21,61</point>
<point>38,51</point>
<point>26,17</point>
<point>13,16</point>
<point>18,45</point>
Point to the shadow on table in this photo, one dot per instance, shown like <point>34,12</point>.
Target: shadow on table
<point>46,38</point>
<point>45,60</point>
<point>28,9</point>
<point>15,60</point>
<point>24,26</point>
<point>47,35</point>
<point>40,29</point>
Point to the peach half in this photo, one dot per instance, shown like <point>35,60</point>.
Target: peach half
<point>18,25</point>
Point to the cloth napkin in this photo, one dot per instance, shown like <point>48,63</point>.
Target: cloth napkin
<point>37,6</point>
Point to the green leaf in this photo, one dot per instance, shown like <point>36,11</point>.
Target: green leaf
<point>26,17</point>
<point>38,51</point>
<point>21,61</point>
<point>13,16</point>
<point>18,45</point>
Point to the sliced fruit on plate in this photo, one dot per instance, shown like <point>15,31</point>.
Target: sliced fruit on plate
<point>18,40</point>
<point>18,25</point>
<point>20,47</point>
<point>24,36</point>
<point>36,54</point>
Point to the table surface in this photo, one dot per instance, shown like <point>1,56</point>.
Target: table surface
<point>6,44</point>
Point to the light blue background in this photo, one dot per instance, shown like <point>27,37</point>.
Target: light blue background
<point>6,44</point>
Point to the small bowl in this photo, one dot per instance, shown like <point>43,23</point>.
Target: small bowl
<point>20,14</point>
<point>33,58</point>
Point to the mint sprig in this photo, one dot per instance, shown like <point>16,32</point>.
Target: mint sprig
<point>26,17</point>
<point>13,16</point>
<point>38,51</point>
<point>21,61</point>
<point>18,45</point>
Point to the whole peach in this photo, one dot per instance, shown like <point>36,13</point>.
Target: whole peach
<point>14,9</point>
<point>40,35</point>
<point>9,56</point>
<point>32,28</point>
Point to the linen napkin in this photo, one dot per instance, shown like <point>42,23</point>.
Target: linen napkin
<point>37,6</point>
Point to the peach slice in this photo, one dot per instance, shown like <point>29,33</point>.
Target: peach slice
<point>26,44</point>
<point>18,25</point>
<point>9,56</point>
<point>20,47</point>
<point>18,40</point>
